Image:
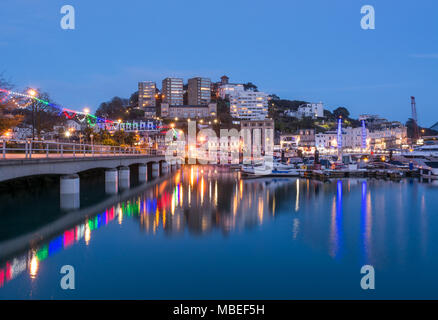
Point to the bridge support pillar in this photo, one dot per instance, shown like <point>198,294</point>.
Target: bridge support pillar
<point>142,173</point>
<point>69,191</point>
<point>155,169</point>
<point>124,178</point>
<point>164,168</point>
<point>178,163</point>
<point>111,181</point>
<point>173,165</point>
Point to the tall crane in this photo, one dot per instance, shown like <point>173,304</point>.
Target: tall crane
<point>416,135</point>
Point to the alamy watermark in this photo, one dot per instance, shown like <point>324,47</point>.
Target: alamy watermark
<point>368,21</point>
<point>250,145</point>
<point>68,20</point>
<point>68,280</point>
<point>367,282</point>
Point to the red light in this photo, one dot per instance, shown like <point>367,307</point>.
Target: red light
<point>69,237</point>
<point>8,271</point>
<point>2,277</point>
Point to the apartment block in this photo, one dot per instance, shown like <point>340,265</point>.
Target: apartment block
<point>172,91</point>
<point>146,97</point>
<point>199,91</point>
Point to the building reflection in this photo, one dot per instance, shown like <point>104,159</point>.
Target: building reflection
<point>202,199</point>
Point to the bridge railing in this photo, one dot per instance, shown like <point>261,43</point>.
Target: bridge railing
<point>32,149</point>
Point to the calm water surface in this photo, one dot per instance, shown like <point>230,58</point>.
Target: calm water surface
<point>207,234</point>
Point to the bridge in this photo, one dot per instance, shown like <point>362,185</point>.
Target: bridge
<point>20,159</point>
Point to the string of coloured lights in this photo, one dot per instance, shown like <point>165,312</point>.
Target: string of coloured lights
<point>68,113</point>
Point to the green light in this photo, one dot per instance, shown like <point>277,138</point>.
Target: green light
<point>90,225</point>
<point>42,253</point>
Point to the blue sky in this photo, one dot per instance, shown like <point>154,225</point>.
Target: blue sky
<point>312,50</point>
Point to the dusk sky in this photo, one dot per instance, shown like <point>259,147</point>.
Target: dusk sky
<point>311,50</point>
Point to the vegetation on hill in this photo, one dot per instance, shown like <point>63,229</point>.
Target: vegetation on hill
<point>8,119</point>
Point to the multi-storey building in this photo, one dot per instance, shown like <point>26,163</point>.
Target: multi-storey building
<point>183,111</point>
<point>146,98</point>
<point>289,141</point>
<point>391,135</point>
<point>352,138</point>
<point>199,91</point>
<point>172,91</point>
<point>248,105</point>
<point>265,131</point>
<point>307,138</point>
<point>227,89</point>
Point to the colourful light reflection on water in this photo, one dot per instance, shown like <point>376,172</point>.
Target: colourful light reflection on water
<point>324,215</point>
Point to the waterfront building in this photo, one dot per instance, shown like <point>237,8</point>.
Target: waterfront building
<point>188,111</point>
<point>391,135</point>
<point>307,139</point>
<point>172,91</point>
<point>289,141</point>
<point>352,139</point>
<point>199,91</point>
<point>311,110</point>
<point>326,140</point>
<point>263,128</point>
<point>248,105</point>
<point>146,98</point>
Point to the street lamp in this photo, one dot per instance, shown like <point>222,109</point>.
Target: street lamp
<point>33,93</point>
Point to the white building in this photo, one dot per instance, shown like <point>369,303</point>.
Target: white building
<point>352,138</point>
<point>312,110</point>
<point>227,89</point>
<point>70,125</point>
<point>248,105</point>
<point>391,136</point>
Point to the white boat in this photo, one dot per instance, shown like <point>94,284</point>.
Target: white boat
<point>256,169</point>
<point>291,172</point>
<point>283,166</point>
<point>272,169</point>
<point>423,152</point>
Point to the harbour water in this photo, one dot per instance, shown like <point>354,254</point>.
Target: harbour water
<point>202,233</point>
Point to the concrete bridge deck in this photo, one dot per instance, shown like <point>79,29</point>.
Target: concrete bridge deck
<point>19,168</point>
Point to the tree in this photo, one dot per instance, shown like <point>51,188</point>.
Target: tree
<point>223,111</point>
<point>250,86</point>
<point>41,116</point>
<point>274,97</point>
<point>114,109</point>
<point>341,112</point>
<point>133,100</point>
<point>8,119</point>
<point>410,125</point>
